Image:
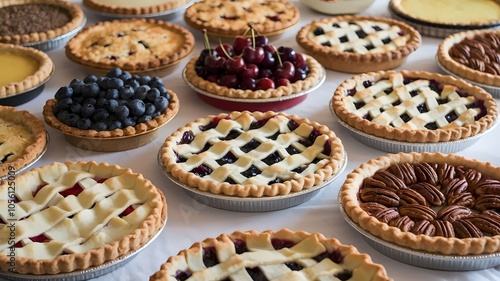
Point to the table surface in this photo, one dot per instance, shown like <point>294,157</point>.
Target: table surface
<point>190,221</point>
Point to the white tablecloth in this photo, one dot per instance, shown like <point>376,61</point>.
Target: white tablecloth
<point>189,221</point>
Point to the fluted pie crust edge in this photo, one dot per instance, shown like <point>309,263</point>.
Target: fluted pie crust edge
<point>139,10</point>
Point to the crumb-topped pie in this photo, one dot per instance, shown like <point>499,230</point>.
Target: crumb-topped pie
<point>134,45</point>
<point>414,106</point>
<point>25,21</point>
<point>228,18</point>
<point>473,55</point>
<point>76,215</point>
<point>23,139</point>
<point>270,255</point>
<point>252,154</point>
<point>431,202</point>
<point>131,7</point>
<point>358,44</point>
<point>32,68</point>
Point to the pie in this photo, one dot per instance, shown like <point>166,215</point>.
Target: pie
<point>485,13</point>
<point>252,154</point>
<point>134,45</point>
<point>359,44</point>
<point>33,67</point>
<point>473,55</point>
<point>431,202</point>
<point>112,107</point>
<point>270,255</point>
<point>414,106</point>
<point>23,139</point>
<point>228,18</point>
<point>25,21</point>
<point>131,7</point>
<point>76,215</point>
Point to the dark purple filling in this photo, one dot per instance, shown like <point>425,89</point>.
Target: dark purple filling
<point>187,137</point>
<point>292,125</point>
<point>344,275</point>
<point>256,274</point>
<point>201,171</point>
<point>251,145</point>
<point>240,246</point>
<point>281,243</point>
<point>210,256</point>
<point>258,124</point>
<point>294,266</point>
<point>335,256</point>
<point>182,275</point>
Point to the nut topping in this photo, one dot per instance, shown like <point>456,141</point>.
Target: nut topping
<point>487,201</point>
<point>488,186</point>
<point>485,223</point>
<point>387,215</point>
<point>445,173</point>
<point>405,172</point>
<point>410,196</point>
<point>373,183</point>
<point>465,199</point>
<point>418,212</point>
<point>372,207</point>
<point>392,182</point>
<point>404,223</point>
<point>425,173</point>
<point>472,177</point>
<point>424,227</point>
<point>383,196</point>
<point>429,192</point>
<point>465,229</point>
<point>455,187</point>
<point>453,213</point>
<point>443,228</point>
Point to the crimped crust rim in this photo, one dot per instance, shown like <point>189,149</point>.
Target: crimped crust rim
<point>139,10</point>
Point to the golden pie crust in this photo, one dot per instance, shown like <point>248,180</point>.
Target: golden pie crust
<point>360,265</point>
<point>451,133</point>
<point>139,9</point>
<point>349,193</point>
<point>150,219</point>
<point>130,44</point>
<point>34,144</point>
<point>257,187</point>
<point>312,79</point>
<point>228,18</point>
<point>387,56</point>
<point>129,131</point>
<point>45,69</point>
<point>463,70</point>
<point>74,10</point>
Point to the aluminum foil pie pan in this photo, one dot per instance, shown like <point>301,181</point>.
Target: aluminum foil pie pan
<point>163,14</point>
<point>494,91</point>
<point>80,275</point>
<point>393,146</point>
<point>239,104</point>
<point>424,259</point>
<point>263,204</point>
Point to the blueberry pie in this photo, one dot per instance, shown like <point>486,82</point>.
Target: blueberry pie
<point>414,106</point>
<point>270,255</point>
<point>229,18</point>
<point>135,45</point>
<point>358,44</point>
<point>432,202</point>
<point>131,7</point>
<point>77,215</point>
<point>252,154</point>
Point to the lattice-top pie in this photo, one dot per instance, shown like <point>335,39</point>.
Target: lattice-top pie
<point>75,215</point>
<point>257,154</point>
<point>359,43</point>
<point>131,7</point>
<point>270,255</point>
<point>432,202</point>
<point>228,18</point>
<point>414,106</point>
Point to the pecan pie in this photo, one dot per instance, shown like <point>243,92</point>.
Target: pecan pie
<point>25,21</point>
<point>473,55</point>
<point>252,154</point>
<point>432,202</point>
<point>134,45</point>
<point>76,215</point>
<point>131,7</point>
<point>270,255</point>
<point>414,106</point>
<point>23,139</point>
<point>33,67</point>
<point>228,18</point>
<point>359,44</point>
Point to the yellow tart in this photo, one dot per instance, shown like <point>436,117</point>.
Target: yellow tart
<point>132,7</point>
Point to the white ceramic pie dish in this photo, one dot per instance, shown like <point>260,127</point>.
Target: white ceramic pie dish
<point>336,7</point>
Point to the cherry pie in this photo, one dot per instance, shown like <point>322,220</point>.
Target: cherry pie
<point>76,215</point>
<point>252,154</point>
<point>270,255</point>
<point>432,202</point>
<point>414,106</point>
<point>359,44</point>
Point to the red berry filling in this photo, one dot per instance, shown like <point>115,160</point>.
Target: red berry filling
<point>127,211</point>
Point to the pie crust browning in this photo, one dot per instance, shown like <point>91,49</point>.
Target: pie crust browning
<point>415,135</point>
<point>432,244</point>
<point>154,212</point>
<point>360,265</point>
<point>252,186</point>
<point>77,18</point>
<point>352,62</point>
<point>139,10</point>
<point>312,79</point>
<point>41,75</point>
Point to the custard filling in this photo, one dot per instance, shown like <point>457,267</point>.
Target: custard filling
<point>15,68</point>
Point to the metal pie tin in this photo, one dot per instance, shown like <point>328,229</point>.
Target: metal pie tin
<point>27,95</point>
<point>166,13</point>
<point>251,204</point>
<point>424,259</point>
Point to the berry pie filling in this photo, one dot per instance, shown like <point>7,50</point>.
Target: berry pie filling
<point>412,103</point>
<point>267,151</point>
<point>71,211</point>
<point>363,36</point>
